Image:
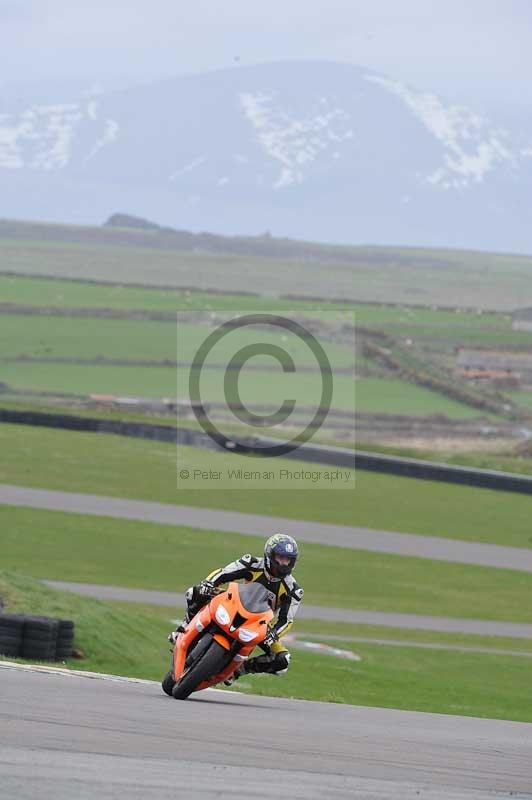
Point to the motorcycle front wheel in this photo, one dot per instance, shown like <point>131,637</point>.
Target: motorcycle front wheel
<point>211,663</point>
<point>168,683</point>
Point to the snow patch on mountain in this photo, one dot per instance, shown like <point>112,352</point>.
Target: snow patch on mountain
<point>41,138</point>
<point>196,162</point>
<point>92,109</point>
<point>472,147</point>
<point>290,141</point>
<point>109,136</point>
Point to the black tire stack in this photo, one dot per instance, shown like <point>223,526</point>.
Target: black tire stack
<point>40,638</point>
<point>11,633</point>
<point>65,640</point>
<point>35,637</point>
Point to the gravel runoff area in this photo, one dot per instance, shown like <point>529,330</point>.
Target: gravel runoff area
<point>96,736</point>
<point>405,544</point>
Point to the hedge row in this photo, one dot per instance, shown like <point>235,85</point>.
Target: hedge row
<point>423,377</point>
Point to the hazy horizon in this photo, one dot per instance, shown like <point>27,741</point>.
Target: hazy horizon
<point>447,47</point>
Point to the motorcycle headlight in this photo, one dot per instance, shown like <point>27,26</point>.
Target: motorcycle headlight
<point>245,635</point>
<point>222,615</point>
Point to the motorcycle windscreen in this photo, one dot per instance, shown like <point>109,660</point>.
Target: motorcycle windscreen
<point>254,597</point>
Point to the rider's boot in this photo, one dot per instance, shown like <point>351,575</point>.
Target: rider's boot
<point>172,636</point>
<point>241,670</point>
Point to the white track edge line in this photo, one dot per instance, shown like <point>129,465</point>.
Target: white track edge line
<point>79,673</point>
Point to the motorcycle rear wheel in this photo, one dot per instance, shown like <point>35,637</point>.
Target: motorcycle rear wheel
<point>211,663</point>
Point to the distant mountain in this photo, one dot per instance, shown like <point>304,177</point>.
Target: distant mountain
<point>309,150</point>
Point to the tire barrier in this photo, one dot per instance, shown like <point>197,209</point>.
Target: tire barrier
<point>65,640</point>
<point>413,468</point>
<point>39,640</point>
<point>11,630</point>
<point>71,422</point>
<point>321,454</point>
<point>36,637</point>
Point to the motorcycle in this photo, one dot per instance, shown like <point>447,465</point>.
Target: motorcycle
<point>218,639</point>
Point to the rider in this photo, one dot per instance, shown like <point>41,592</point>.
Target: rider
<point>274,571</point>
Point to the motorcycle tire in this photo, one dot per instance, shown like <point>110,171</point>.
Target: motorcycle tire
<point>168,683</point>
<point>197,648</point>
<point>211,663</point>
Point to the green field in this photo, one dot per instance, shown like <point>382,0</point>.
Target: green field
<point>131,640</point>
<point>434,334</point>
<point>68,337</point>
<point>122,467</point>
<point>371,395</point>
<point>77,294</point>
<point>449,337</point>
<point>269,388</point>
<point>73,294</point>
<point>522,398</point>
<point>50,338</point>
<point>400,320</point>
<point>375,274</point>
<point>396,396</point>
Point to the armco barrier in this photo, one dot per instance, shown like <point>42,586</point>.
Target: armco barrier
<point>314,453</point>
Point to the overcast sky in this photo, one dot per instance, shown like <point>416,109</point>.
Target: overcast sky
<point>457,47</point>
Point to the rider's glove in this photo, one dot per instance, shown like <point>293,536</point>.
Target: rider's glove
<point>271,637</point>
<point>206,589</point>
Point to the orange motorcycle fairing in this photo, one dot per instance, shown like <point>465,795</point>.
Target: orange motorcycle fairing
<point>221,639</point>
<point>222,610</point>
<point>196,625</point>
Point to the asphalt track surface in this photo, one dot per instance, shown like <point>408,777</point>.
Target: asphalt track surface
<point>516,630</point>
<point>67,736</point>
<point>405,544</point>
